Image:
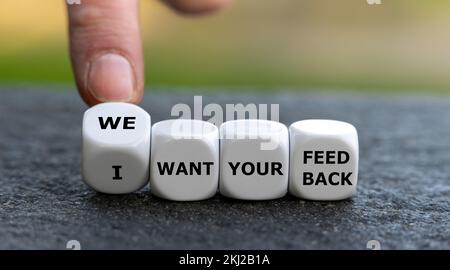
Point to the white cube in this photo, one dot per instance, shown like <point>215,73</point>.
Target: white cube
<point>254,159</point>
<point>184,160</point>
<point>323,160</point>
<point>116,147</point>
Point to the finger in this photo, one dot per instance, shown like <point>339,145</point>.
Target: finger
<point>197,6</point>
<point>106,50</point>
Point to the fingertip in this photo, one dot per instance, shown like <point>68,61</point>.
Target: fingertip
<point>111,77</point>
<point>198,7</point>
<point>106,51</point>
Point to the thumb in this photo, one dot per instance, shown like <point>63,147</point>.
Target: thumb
<point>106,50</point>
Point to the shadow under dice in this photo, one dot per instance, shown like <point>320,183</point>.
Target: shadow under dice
<point>323,160</point>
<point>184,160</point>
<point>116,147</point>
<point>254,158</point>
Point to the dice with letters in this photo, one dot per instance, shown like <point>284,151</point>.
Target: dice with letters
<point>184,160</point>
<point>254,159</point>
<point>116,147</point>
<point>323,159</point>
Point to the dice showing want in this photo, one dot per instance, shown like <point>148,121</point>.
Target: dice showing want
<point>323,159</point>
<point>254,159</point>
<point>184,160</point>
<point>116,147</point>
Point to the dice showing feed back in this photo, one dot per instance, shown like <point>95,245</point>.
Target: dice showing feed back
<point>323,159</point>
<point>184,160</point>
<point>116,147</point>
<point>254,159</point>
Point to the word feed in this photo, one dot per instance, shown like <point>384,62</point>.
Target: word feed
<point>180,159</point>
<point>324,159</point>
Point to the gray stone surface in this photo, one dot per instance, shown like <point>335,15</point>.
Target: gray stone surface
<point>402,200</point>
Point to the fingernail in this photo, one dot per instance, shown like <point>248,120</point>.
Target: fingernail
<point>111,78</point>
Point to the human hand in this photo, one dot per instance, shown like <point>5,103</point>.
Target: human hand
<point>106,49</point>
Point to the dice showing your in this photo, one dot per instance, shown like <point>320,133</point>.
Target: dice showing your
<point>184,160</point>
<point>323,159</point>
<point>254,159</point>
<point>116,147</point>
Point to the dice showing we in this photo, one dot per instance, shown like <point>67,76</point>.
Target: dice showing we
<point>254,159</point>
<point>116,147</point>
<point>184,160</point>
<point>323,159</point>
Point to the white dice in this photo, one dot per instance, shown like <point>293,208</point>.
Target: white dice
<point>323,160</point>
<point>254,159</point>
<point>184,160</point>
<point>116,147</point>
<point>258,159</point>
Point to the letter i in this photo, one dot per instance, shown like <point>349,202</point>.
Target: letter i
<point>117,172</point>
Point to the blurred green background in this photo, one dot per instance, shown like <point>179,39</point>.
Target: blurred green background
<point>400,45</point>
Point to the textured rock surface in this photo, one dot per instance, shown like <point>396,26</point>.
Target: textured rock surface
<point>403,197</point>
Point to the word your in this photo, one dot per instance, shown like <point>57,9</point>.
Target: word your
<point>261,168</point>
